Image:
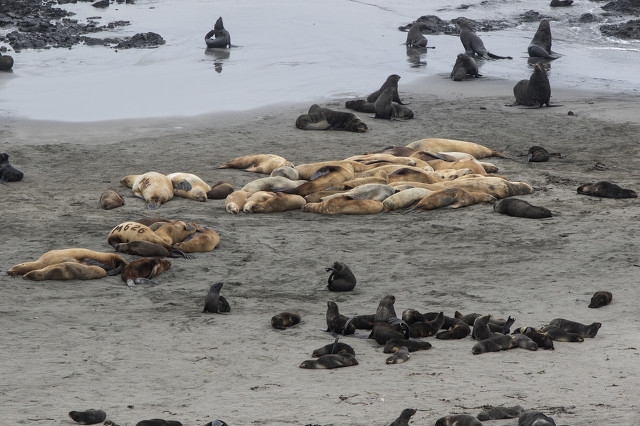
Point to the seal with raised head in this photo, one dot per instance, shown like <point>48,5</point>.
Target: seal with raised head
<point>140,271</point>
<point>330,361</point>
<point>319,118</point>
<point>465,66</point>
<point>600,298</point>
<point>536,91</point>
<point>333,348</point>
<point>455,329</point>
<point>606,189</point>
<point>412,345</point>
<point>112,263</point>
<point>390,82</point>
<point>535,418</point>
<point>257,163</point>
<point>405,416</point>
<point>155,188</point>
<point>285,319</point>
<point>540,46</point>
<point>111,199</point>
<point>426,328</point>
<point>582,330</point>
<point>6,62</point>
<point>458,420</point>
<point>218,36</point>
<point>399,356</point>
<point>336,322</point>
<point>543,340</point>
<point>520,208</point>
<point>341,277</point>
<point>88,417</point>
<point>214,302</point>
<point>471,42</point>
<point>415,38</point>
<point>8,173</point>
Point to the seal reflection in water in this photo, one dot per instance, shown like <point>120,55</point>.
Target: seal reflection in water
<point>330,361</point>
<point>88,417</point>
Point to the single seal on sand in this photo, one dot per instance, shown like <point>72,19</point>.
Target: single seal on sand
<point>533,92</point>
<point>284,320</point>
<point>600,298</point>
<point>214,302</point>
<point>520,208</point>
<point>158,422</point>
<point>88,417</point>
<point>341,277</point>
<point>458,420</point>
<point>111,199</point>
<point>535,418</point>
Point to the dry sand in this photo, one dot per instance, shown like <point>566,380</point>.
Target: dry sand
<point>151,352</point>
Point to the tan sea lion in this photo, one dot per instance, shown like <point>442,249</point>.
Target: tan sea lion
<point>257,197</point>
<point>284,320</point>
<point>286,171</point>
<point>110,199</point>
<point>272,183</point>
<point>280,202</point>
<point>324,119</point>
<point>468,163</point>
<point>323,178</point>
<point>330,361</point>
<point>219,191</point>
<point>382,158</point>
<point>187,185</point>
<point>174,232</point>
<point>465,66</point>
<point>72,270</point>
<point>110,262</point>
<point>399,356</point>
<point>536,91</point>
<point>344,205</point>
<point>368,191</point>
<point>214,302</point>
<point>140,271</point>
<point>306,171</point>
<point>453,198</point>
<point>492,185</point>
<point>203,240</point>
<point>155,188</point>
<point>165,234</point>
<point>414,174</point>
<point>600,298</point>
<point>257,163</point>
<point>438,144</point>
<point>341,277</point>
<point>380,178</point>
<point>336,322</point>
<point>235,201</point>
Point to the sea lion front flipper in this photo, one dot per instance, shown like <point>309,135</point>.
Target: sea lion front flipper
<point>179,253</point>
<point>184,185</point>
<point>143,281</point>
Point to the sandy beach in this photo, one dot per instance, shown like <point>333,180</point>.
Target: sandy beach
<point>151,352</point>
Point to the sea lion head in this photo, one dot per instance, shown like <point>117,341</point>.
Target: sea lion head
<point>4,157</point>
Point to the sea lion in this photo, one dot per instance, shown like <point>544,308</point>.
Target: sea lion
<point>536,91</point>
<point>497,413</point>
<point>458,420</point>
<point>606,189</point>
<point>214,302</point>
<point>362,322</point>
<point>411,315</point>
<point>426,328</point>
<point>386,310</point>
<point>368,191</point>
<point>202,241</point>
<point>8,173</point>
<point>110,199</point>
<point>535,418</point>
<point>187,185</point>
<point>414,174</point>
<point>71,270</point>
<point>520,208</point>
<point>110,262</point>
<point>272,183</point>
<point>471,42</point>
<point>415,38</point>
<point>495,343</point>
<point>399,356</point>
<point>140,271</point>
<point>280,202</point>
<point>560,334</point>
<point>284,320</point>
<point>383,107</point>
<point>390,82</point>
<point>218,36</point>
<point>324,118</point>
<point>288,172</point>
<point>235,201</point>
<point>453,198</point>
<point>386,324</point>
<point>333,348</point>
<point>155,188</point>
<point>580,329</point>
<point>412,345</point>
<point>538,154</point>
<point>344,205</point>
<point>336,322</point>
<point>158,422</point>
<point>148,249</point>
<point>219,191</point>
<point>600,298</point>
<point>307,171</point>
<point>445,145</point>
<point>257,163</point>
<point>525,342</point>
<point>341,277</point>
<point>175,231</point>
<point>257,197</point>
<point>465,66</point>
<point>455,329</point>
<point>493,185</point>
<point>330,361</point>
<point>540,46</point>
<point>404,198</point>
<point>6,62</point>
<point>404,418</point>
<point>88,417</point>
<point>543,340</point>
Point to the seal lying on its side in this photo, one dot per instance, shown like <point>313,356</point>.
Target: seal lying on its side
<point>458,420</point>
<point>333,348</point>
<point>214,302</point>
<point>520,208</point>
<point>404,418</point>
<point>110,262</point>
<point>606,190</point>
<point>66,271</point>
<point>330,361</point>
<point>600,298</point>
<point>497,413</point>
<point>8,173</point>
<point>110,199</point>
<point>580,329</point>
<point>140,271</point>
<point>538,154</point>
<point>465,66</point>
<point>158,422</point>
<point>284,320</point>
<point>540,46</point>
<point>535,418</point>
<point>88,417</point>
<point>319,118</point>
<point>533,92</point>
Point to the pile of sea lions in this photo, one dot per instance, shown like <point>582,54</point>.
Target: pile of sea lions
<point>93,416</point>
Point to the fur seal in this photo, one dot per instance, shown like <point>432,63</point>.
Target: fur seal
<point>385,316</point>
<point>412,345</point>
<point>362,322</point>
<point>446,145</point>
<point>155,188</point>
<point>110,199</point>
<point>481,329</point>
<point>341,277</point>
<point>140,271</point>
<point>234,203</point>
<point>336,322</point>
<point>580,329</point>
<point>324,118</point>
<point>187,185</point>
<point>390,82</point>
<point>214,302</point>
<point>88,417</point>
<point>148,249</point>
<point>344,205</point>
<point>543,340</point>
<point>399,356</point>
<point>216,423</point>
<point>606,189</point>
<point>520,208</point>
<point>497,413</point>
<point>8,173</point>
<point>219,191</point>
<point>465,66</point>
<point>415,38</point>
<point>405,416</point>
<point>525,342</point>
<point>458,420</point>
<point>257,163</point>
<point>535,418</point>
<point>600,298</point>
<point>471,42</point>
<point>540,46</point>
<point>383,107</point>
<point>560,334</point>
<point>538,154</point>
<point>495,343</point>
<point>280,202</point>
<point>533,92</point>
<point>561,3</point>
<point>453,198</point>
<point>218,36</point>
<point>110,262</point>
<point>425,328</point>
<point>333,348</point>
<point>284,320</point>
<point>203,240</point>
<point>66,271</point>
<point>6,62</point>
<point>158,422</point>
<point>330,361</point>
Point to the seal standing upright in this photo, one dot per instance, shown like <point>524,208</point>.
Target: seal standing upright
<point>214,302</point>
<point>533,92</point>
<point>390,82</point>
<point>404,418</point>
<point>465,65</point>
<point>458,420</point>
<point>471,42</point>
<point>415,38</point>
<point>218,36</point>
<point>540,46</point>
<point>341,278</point>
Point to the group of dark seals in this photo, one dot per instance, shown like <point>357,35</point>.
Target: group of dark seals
<point>385,102</point>
<point>218,36</point>
<point>93,416</point>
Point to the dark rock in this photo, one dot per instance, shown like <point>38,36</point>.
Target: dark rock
<point>629,30</point>
<point>141,40</point>
<point>626,7</point>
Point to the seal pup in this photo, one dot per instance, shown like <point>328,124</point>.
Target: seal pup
<point>412,345</point>
<point>88,417</point>
<point>214,302</point>
<point>471,42</point>
<point>140,271</point>
<point>330,361</point>
<point>534,92</point>
<point>333,348</point>
<point>284,320</point>
<point>341,277</point>
<point>6,62</point>
<point>405,416</point>
<point>600,298</point>
<point>202,241</point>
<point>71,270</point>
<point>415,38</point>
<point>606,189</point>
<point>218,37</point>
<point>538,154</point>
<point>110,199</point>
<point>535,418</point>
<point>465,66</point>
<point>219,191</point>
<point>336,322</point>
<point>188,185</point>
<point>399,356</point>
<point>319,118</point>
<point>580,329</point>
<point>158,422</point>
<point>112,263</point>
<point>8,173</point>
<point>497,413</point>
<point>520,208</point>
<point>540,46</point>
<point>257,163</point>
<point>390,82</point>
<point>458,420</point>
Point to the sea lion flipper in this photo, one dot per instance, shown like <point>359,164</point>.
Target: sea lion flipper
<point>183,185</point>
<point>180,253</point>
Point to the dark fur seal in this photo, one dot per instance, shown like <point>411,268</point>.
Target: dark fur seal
<point>6,62</point>
<point>497,413</point>
<point>399,356</point>
<point>218,36</point>
<point>333,348</point>
<point>363,322</point>
<point>88,417</point>
<point>158,422</point>
<point>284,320</point>
<point>561,3</point>
<point>496,325</point>
<point>458,420</point>
<point>412,345</point>
<point>216,423</point>
<point>471,42</point>
<point>140,271</point>
<point>383,107</point>
<point>341,277</point>
<point>494,343</point>
<point>404,418</point>
<point>465,66</point>
<point>580,329</point>
<point>390,82</point>
<point>8,173</point>
<point>540,46</point>
<point>426,328</point>
<point>543,340</point>
<point>110,199</point>
<point>600,298</point>
<point>606,190</point>
<point>336,322</point>
<point>538,154</point>
<point>330,361</point>
<point>415,38</point>
<point>535,418</point>
<point>533,92</point>
<point>520,208</point>
<point>149,249</point>
<point>484,326</point>
<point>525,342</point>
<point>324,118</point>
<point>214,302</point>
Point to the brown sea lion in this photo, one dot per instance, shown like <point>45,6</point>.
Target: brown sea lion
<point>492,185</point>
<point>465,66</point>
<point>280,202</point>
<point>110,199</point>
<point>214,302</point>
<point>235,201</point>
<point>110,262</point>
<point>536,91</point>
<point>458,420</point>
<point>535,418</point>
<point>580,329</point>
<point>148,249</point>
<point>140,271</point>
<point>520,208</point>
<point>71,270</point>
<point>135,231</point>
<point>497,413</point>
<point>289,172</point>
<point>471,42</point>
<point>324,118</point>
<point>453,198</point>
<point>445,145</point>
<point>525,342</point>
<point>606,189</point>
<point>399,356</point>
<point>495,343</point>
<point>463,163</point>
<point>390,82</point>
<point>219,191</point>
<point>330,361</point>
<point>600,298</point>
<point>333,348</point>
<point>257,163</point>
<point>187,185</point>
<point>8,173</point>
<point>344,205</point>
<point>323,178</point>
<point>203,240</point>
<point>336,322</point>
<point>540,46</point>
<point>175,231</point>
<point>405,416</point>
<point>412,345</point>
<point>560,334</point>
<point>155,188</point>
<point>88,417</point>
<point>284,320</point>
<point>341,277</point>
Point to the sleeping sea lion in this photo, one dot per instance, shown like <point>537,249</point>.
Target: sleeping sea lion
<point>542,339</point>
<point>155,188</point>
<point>399,356</point>
<point>140,271</point>
<point>8,173</point>
<point>257,163</point>
<point>446,145</point>
<point>336,322</point>
<point>520,208</point>
<point>323,178</point>
<point>344,205</point>
<point>187,185</point>
<point>112,263</point>
<point>412,345</point>
<point>330,361</point>
<point>135,231</point>
<point>465,66</point>
<point>333,348</point>
<point>235,201</point>
<point>214,302</point>
<point>540,46</point>
<point>533,92</point>
<point>272,183</point>
<point>174,232</point>
<point>284,320</point>
<point>495,343</point>
<point>404,198</point>
<point>71,270</point>
<point>324,118</point>
<point>203,240</point>
<point>88,417</point>
<point>404,418</point>
<point>219,191</point>
<point>471,42</point>
<point>458,420</point>
<point>600,298</point>
<point>280,202</point>
<point>341,277</point>
<point>580,329</point>
<point>455,329</point>
<point>559,334</point>
<point>390,82</point>
<point>110,199</point>
<point>606,190</point>
<point>453,198</point>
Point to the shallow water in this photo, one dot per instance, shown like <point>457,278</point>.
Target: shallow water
<point>290,51</point>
